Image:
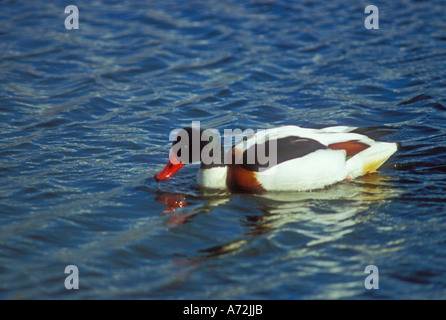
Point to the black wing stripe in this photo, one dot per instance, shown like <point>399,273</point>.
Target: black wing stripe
<point>375,132</point>
<point>288,148</point>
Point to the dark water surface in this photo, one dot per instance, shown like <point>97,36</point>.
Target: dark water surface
<point>85,117</point>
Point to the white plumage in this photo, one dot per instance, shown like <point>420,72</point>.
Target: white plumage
<point>317,169</point>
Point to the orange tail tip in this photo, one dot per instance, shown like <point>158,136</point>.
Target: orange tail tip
<point>352,147</point>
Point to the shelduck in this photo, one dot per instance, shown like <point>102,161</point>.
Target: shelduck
<point>304,159</point>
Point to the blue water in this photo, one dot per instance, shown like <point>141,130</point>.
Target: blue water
<point>85,117</point>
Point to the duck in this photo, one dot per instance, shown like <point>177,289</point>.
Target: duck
<point>300,159</point>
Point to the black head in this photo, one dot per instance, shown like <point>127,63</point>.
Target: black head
<point>193,145</point>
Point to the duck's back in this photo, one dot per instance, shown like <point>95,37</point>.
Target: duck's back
<point>305,159</point>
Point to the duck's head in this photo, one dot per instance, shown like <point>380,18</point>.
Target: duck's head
<point>191,145</point>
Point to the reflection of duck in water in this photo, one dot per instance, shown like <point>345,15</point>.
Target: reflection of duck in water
<point>310,217</point>
<point>181,207</point>
<point>299,159</point>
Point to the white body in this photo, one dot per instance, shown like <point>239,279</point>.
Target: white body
<point>315,170</point>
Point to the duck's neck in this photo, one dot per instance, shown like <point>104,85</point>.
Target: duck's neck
<point>213,177</point>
